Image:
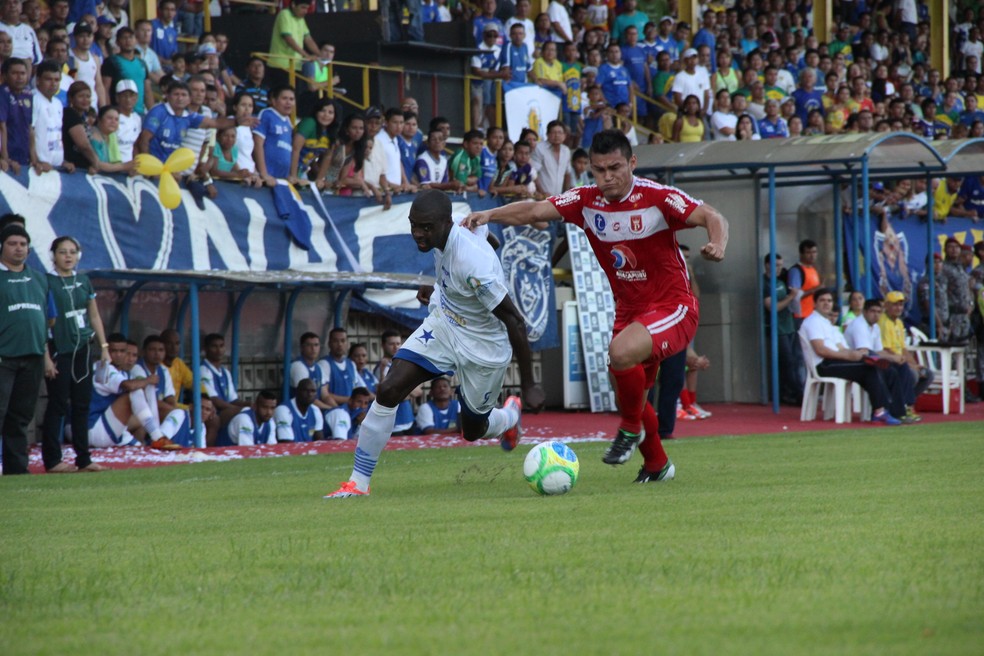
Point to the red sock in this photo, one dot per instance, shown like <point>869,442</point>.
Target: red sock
<point>686,398</point>
<point>652,447</point>
<point>630,390</point>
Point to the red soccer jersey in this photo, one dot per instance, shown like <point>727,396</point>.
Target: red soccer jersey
<point>634,240</point>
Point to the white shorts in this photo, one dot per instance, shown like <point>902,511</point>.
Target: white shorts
<point>109,432</point>
<point>479,385</point>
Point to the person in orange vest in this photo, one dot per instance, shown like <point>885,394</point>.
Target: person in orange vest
<point>803,279</point>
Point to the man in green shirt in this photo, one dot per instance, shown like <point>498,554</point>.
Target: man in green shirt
<point>291,38</point>
<point>23,356</point>
<point>466,165</point>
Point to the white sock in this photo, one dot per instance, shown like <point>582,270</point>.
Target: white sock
<point>141,410</point>
<point>374,433</point>
<point>500,420</point>
<point>172,423</point>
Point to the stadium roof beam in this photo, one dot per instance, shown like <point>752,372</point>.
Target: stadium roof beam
<point>244,283</point>
<point>801,161</point>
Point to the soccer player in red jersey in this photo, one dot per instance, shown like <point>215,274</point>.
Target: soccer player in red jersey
<point>631,224</point>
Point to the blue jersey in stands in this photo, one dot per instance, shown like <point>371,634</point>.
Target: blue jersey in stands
<point>278,144</point>
<point>517,58</point>
<point>614,81</point>
<point>408,152</point>
<point>369,380</point>
<point>344,376</point>
<point>218,382</point>
<point>316,372</point>
<point>436,418</point>
<point>770,130</point>
<point>972,191</point>
<point>168,129</point>
<point>489,167</point>
<point>165,39</point>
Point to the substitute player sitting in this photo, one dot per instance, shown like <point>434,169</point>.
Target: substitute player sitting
<point>631,224</point>
<point>472,330</point>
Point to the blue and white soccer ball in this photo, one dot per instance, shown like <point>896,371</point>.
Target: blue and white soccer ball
<point>551,468</point>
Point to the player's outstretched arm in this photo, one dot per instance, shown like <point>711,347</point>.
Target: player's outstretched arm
<point>514,214</point>
<point>506,312</point>
<point>717,231</point>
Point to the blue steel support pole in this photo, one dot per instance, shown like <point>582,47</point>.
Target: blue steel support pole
<point>237,311</point>
<point>773,302</point>
<point>838,239</point>
<point>866,208</point>
<point>182,313</point>
<point>856,274</point>
<point>931,248</point>
<point>339,305</point>
<point>288,338</point>
<point>196,366</point>
<point>125,309</point>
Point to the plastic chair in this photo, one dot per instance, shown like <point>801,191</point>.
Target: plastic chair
<point>837,398</point>
<point>946,376</point>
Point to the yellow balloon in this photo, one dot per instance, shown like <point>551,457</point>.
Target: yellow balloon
<point>148,165</point>
<point>170,192</point>
<point>179,160</point>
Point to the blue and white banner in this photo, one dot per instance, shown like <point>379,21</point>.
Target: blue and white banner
<point>899,253</point>
<point>532,107</point>
<point>122,224</point>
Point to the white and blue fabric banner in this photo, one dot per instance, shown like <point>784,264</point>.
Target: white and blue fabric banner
<point>530,106</point>
<point>121,224</point>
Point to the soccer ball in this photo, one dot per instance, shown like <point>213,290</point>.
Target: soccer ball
<point>551,468</point>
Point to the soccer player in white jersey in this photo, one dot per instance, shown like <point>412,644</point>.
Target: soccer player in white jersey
<point>631,224</point>
<point>469,331</point>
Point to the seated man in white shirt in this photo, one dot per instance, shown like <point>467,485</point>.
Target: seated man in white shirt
<point>834,358</point>
<point>152,365</point>
<point>864,333</point>
<point>310,365</point>
<point>299,420</point>
<point>218,383</point>
<point>254,425</point>
<point>343,422</point>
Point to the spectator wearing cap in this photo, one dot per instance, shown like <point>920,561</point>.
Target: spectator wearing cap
<point>130,121</point>
<point>914,379</point>
<point>144,31</point>
<point>86,62</point>
<point>127,66</point>
<point>103,39</point>
<point>485,19</point>
<point>23,335</point>
<point>689,83</point>
<point>164,36</point>
<point>485,66</point>
<point>664,40</point>
<point>291,43</point>
<point>165,123</point>
<point>940,297</point>
<point>25,41</point>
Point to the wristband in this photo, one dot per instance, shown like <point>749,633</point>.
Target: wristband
<point>104,345</point>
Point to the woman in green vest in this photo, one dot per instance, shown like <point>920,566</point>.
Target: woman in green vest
<point>77,321</point>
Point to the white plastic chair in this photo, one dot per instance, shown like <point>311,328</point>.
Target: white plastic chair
<point>837,398</point>
<point>940,360</point>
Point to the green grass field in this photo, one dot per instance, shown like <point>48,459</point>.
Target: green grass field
<point>865,542</point>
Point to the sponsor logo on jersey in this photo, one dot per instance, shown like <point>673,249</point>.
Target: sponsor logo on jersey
<point>566,198</point>
<point>624,261</point>
<point>616,227</point>
<point>600,223</point>
<point>676,202</point>
<point>635,197</point>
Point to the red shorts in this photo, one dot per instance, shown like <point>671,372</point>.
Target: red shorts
<point>671,329</point>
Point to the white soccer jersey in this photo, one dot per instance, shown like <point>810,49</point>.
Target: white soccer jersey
<point>46,120</point>
<point>165,387</point>
<point>127,134</point>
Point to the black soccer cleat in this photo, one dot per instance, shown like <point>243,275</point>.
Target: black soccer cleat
<point>665,474</point>
<point>621,448</point>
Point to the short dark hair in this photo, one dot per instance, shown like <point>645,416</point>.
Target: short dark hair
<point>336,330</point>
<point>266,395</point>
<point>211,338</point>
<point>47,66</point>
<point>806,245</point>
<point>150,339</point>
<point>308,336</point>
<point>116,338</point>
<point>607,142</point>
<point>12,61</point>
<point>472,134</point>
<point>360,391</point>
<point>822,292</point>
<point>580,153</point>
<point>279,89</point>
<point>392,112</point>
<point>387,334</point>
<point>872,302</point>
<point>437,122</point>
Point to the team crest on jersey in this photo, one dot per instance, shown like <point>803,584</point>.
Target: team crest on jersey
<point>635,223</point>
<point>676,202</point>
<point>526,265</point>
<point>600,223</point>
